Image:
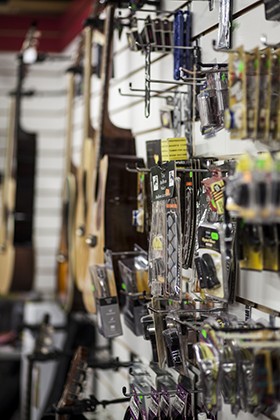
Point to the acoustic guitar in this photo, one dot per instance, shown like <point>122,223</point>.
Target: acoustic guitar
<point>115,189</point>
<point>16,248</point>
<point>7,251</point>
<point>86,180</point>
<point>67,292</point>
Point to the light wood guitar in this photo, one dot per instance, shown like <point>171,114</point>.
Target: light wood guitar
<point>67,292</point>
<point>114,148</point>
<point>86,175</point>
<point>7,250</point>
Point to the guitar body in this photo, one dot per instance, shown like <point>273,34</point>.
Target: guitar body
<point>116,140</point>
<point>17,257</point>
<point>23,274</point>
<point>68,294</point>
<point>96,253</point>
<point>7,253</point>
<point>86,183</point>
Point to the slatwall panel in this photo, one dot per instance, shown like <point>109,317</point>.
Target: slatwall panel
<point>47,117</point>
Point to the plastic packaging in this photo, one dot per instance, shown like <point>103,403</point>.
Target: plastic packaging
<point>224,29</point>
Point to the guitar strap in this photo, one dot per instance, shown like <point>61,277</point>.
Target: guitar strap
<point>191,189</point>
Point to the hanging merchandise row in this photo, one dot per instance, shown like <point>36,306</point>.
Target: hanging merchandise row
<point>153,248</point>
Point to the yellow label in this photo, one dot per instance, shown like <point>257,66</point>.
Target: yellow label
<point>174,149</point>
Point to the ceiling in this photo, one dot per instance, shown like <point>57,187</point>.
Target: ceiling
<point>58,20</point>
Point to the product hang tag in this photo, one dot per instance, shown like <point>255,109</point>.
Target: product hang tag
<point>163,181</point>
<point>108,316</point>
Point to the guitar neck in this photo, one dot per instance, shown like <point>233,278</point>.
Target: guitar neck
<point>87,80</point>
<point>112,139</point>
<point>8,171</point>
<point>69,129</point>
<point>106,69</point>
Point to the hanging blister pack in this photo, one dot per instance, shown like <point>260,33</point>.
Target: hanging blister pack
<point>236,115</point>
<point>212,102</point>
<point>137,410</point>
<point>173,247</point>
<point>264,96</point>
<point>134,275</point>
<point>215,186</point>
<point>274,127</point>
<point>108,313</point>
<point>210,262</point>
<point>208,362</point>
<point>252,80</point>
<point>153,413</point>
<point>225,24</point>
<point>165,236</point>
<point>172,343</point>
<point>178,409</point>
<point>164,405</point>
<point>157,246</point>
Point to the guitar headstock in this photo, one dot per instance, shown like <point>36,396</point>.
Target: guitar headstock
<point>78,56</point>
<point>30,44</point>
<point>75,378</point>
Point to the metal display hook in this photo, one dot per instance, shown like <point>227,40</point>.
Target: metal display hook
<point>169,90</point>
<point>193,73</point>
<point>138,169</point>
<point>263,40</point>
<point>169,98</point>
<point>171,12</point>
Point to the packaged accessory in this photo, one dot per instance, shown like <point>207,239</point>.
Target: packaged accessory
<point>225,24</point>
<point>153,413</point>
<point>108,314</point>
<point>252,91</point>
<point>178,409</point>
<point>274,121</point>
<point>165,237</point>
<point>210,262</point>
<point>134,275</point>
<point>264,96</point>
<point>236,115</point>
<point>164,405</point>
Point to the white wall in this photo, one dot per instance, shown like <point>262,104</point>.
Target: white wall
<point>47,117</point>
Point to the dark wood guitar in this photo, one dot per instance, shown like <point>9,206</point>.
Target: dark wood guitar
<point>17,265</point>
<point>67,292</point>
<point>74,384</point>
<point>115,189</point>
